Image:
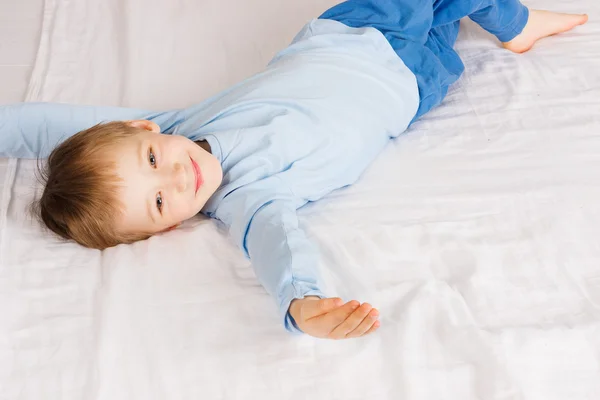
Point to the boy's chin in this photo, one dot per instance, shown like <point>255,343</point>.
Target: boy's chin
<point>170,228</point>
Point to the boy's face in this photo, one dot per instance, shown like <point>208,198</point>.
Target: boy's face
<point>166,179</point>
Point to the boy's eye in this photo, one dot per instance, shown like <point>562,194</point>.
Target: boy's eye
<point>151,158</point>
<point>159,202</point>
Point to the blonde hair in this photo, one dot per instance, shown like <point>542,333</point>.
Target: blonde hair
<point>79,201</point>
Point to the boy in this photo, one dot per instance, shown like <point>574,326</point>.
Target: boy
<point>311,123</point>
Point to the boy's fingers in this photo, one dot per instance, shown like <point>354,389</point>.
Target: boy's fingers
<point>323,306</point>
<point>333,318</point>
<point>366,325</point>
<point>375,326</point>
<point>354,321</point>
<point>330,304</point>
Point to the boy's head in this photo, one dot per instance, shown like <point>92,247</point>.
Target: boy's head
<point>124,181</point>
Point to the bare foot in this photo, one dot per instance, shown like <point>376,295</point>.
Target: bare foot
<point>542,24</point>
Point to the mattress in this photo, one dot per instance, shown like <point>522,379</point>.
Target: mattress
<point>475,233</point>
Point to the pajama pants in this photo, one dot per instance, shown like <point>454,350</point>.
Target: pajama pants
<point>423,33</point>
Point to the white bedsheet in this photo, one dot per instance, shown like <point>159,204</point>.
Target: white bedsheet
<point>475,234</point>
<point>20,25</point>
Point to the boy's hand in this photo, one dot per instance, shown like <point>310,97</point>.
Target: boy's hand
<point>332,319</point>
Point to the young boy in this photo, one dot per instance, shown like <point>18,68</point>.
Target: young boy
<point>311,123</point>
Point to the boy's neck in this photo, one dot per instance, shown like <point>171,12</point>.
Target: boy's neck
<point>204,144</point>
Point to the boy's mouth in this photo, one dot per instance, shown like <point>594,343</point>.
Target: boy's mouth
<point>197,175</point>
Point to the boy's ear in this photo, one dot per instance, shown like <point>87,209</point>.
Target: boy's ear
<point>144,124</point>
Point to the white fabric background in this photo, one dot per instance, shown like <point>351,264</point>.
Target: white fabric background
<point>475,234</point>
<point>20,27</point>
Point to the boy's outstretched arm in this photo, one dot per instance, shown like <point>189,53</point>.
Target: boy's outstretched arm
<point>285,262</point>
<point>32,130</point>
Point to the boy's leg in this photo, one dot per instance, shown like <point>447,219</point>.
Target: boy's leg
<point>408,20</point>
<point>413,19</point>
<point>503,18</point>
<point>542,24</point>
<point>510,21</point>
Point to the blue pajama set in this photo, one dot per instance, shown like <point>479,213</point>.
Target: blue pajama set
<point>310,123</point>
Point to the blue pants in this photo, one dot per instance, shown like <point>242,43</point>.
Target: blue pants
<point>423,33</point>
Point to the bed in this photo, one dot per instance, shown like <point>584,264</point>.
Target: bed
<point>475,233</point>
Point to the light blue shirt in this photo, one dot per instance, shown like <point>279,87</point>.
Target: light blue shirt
<point>310,123</point>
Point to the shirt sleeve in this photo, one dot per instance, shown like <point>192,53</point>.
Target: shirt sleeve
<point>32,130</point>
<point>284,260</point>
<point>262,220</point>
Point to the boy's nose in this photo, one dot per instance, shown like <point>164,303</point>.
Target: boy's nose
<point>178,178</point>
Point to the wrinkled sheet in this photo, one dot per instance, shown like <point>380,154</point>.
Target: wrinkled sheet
<point>475,233</point>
